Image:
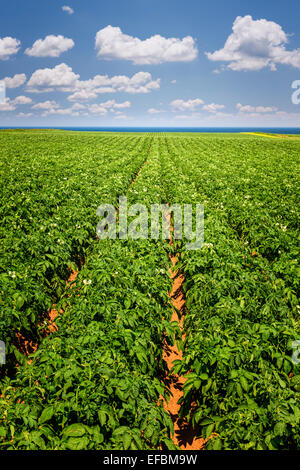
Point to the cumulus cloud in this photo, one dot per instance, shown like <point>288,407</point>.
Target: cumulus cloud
<point>112,43</point>
<point>189,105</point>
<point>213,107</point>
<point>78,106</point>
<point>24,115</point>
<point>60,76</point>
<point>84,95</point>
<point>140,82</point>
<point>255,44</point>
<point>51,46</point>
<point>22,100</point>
<point>52,108</point>
<point>46,105</point>
<point>15,81</point>
<point>67,9</point>
<point>255,109</point>
<point>154,111</point>
<point>64,79</point>
<point>110,105</point>
<point>62,112</point>
<point>8,46</point>
<point>8,105</point>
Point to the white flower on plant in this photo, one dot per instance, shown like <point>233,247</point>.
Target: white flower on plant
<point>283,228</point>
<point>87,282</point>
<point>12,274</point>
<point>208,245</point>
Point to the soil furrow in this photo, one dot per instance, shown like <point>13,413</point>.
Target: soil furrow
<point>184,435</point>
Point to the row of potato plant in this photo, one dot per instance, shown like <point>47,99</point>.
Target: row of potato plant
<point>241,291</point>
<point>52,183</point>
<point>95,383</point>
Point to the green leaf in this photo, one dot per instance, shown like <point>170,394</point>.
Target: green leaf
<point>46,414</point>
<point>244,384</point>
<point>102,417</point>
<point>74,430</point>
<point>77,443</point>
<point>204,376</point>
<point>127,438</point>
<point>209,430</point>
<point>279,428</point>
<point>206,421</point>
<point>217,444</point>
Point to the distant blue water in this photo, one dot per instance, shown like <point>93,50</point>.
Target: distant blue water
<point>273,130</point>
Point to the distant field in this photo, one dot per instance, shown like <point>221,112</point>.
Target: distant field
<point>85,359</point>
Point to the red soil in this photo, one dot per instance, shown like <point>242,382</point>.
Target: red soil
<point>184,435</point>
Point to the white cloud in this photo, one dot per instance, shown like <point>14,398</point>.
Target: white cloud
<point>112,43</point>
<point>97,109</point>
<point>15,81</point>
<point>51,46</point>
<point>62,112</point>
<point>255,109</point>
<point>51,107</point>
<point>8,46</point>
<point>173,81</point>
<point>213,107</point>
<point>154,111</point>
<point>141,82</point>
<point>40,90</point>
<point>189,105</point>
<point>255,44</point>
<point>8,105</point>
<point>113,104</point>
<point>110,105</point>
<point>64,79</point>
<point>78,106</point>
<point>67,9</point>
<point>24,115</point>
<point>46,105</point>
<point>84,95</point>
<point>60,76</point>
<point>22,100</point>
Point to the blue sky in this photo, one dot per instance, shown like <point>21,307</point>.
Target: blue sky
<point>132,62</point>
